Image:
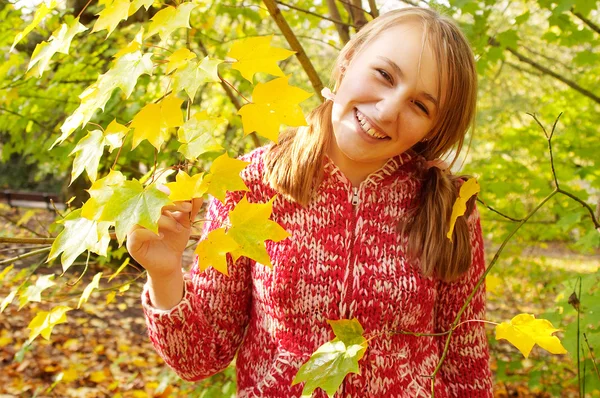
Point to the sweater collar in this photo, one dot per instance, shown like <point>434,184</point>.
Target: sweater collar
<point>379,176</point>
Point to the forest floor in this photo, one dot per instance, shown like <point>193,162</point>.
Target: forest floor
<point>103,350</point>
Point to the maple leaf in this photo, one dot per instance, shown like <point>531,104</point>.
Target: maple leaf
<point>333,361</point>
<point>89,289</point>
<point>90,148</point>
<point>114,12</point>
<point>100,193</point>
<point>468,189</point>
<point>524,331</point>
<point>225,176</point>
<point>39,15</point>
<point>8,299</point>
<point>170,18</point>
<point>152,123</point>
<point>133,46</point>
<point>192,75</point>
<point>44,322</point>
<point>273,103</point>
<point>124,74</point>
<point>212,251</point>
<point>137,4</point>
<point>179,59</point>
<point>79,234</point>
<point>60,41</point>
<point>186,187</point>
<point>132,204</point>
<point>196,135</point>
<point>255,54</point>
<point>250,227</point>
<point>34,292</point>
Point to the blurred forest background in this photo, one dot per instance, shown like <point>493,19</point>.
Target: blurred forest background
<point>538,57</point>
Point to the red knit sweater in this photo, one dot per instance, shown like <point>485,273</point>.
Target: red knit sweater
<point>343,260</point>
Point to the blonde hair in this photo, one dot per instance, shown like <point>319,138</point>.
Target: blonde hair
<point>294,166</point>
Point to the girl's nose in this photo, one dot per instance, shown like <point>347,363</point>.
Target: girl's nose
<point>390,106</point>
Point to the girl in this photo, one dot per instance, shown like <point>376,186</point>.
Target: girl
<point>367,204</point>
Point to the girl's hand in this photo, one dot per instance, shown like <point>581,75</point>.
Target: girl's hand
<point>161,254</point>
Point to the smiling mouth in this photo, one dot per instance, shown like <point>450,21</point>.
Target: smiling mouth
<point>367,128</point>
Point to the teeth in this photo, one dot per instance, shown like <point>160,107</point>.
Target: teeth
<point>366,126</point>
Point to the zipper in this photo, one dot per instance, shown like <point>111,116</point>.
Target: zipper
<point>355,197</point>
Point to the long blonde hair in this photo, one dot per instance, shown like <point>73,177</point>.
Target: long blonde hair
<point>294,166</point>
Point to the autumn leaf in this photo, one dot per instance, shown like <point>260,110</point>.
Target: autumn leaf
<point>196,135</point>
<point>152,123</point>
<point>121,268</point>
<point>170,18</point>
<point>137,4</point>
<point>179,59</point>
<point>43,10</point>
<point>134,45</point>
<point>79,234</point>
<point>33,293</point>
<point>186,187</point>
<point>524,331</point>
<point>124,74</point>
<point>251,227</point>
<point>273,103</point>
<point>89,289</point>
<point>334,360</point>
<point>225,176</point>
<point>212,251</point>
<point>131,203</point>
<point>5,271</point>
<point>467,190</point>
<point>190,76</point>
<point>100,193</point>
<point>8,299</point>
<point>44,322</point>
<point>255,54</point>
<point>60,41</point>
<point>90,148</point>
<point>114,12</point>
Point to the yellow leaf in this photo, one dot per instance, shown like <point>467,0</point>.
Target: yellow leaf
<point>70,375</point>
<point>186,187</point>
<point>170,18</point>
<point>524,331</point>
<point>225,176</point>
<point>6,271</point>
<point>170,108</point>
<point>137,4</point>
<point>179,59</point>
<point>190,76</point>
<point>152,123</point>
<point>98,376</point>
<point>212,250</point>
<point>40,13</point>
<point>118,271</point>
<point>110,297</point>
<point>8,299</point>
<point>468,189</point>
<point>124,288</point>
<point>100,192</point>
<point>255,54</point>
<point>113,135</point>
<point>492,284</point>
<point>111,15</point>
<point>196,135</point>
<point>134,45</point>
<point>44,322</point>
<point>34,292</point>
<point>273,103</point>
<point>250,227</point>
<point>89,288</point>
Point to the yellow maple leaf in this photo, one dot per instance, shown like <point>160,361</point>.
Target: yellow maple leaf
<point>44,322</point>
<point>100,192</point>
<point>273,103</point>
<point>170,109</point>
<point>111,15</point>
<point>43,10</point>
<point>467,190</point>
<point>492,284</point>
<point>133,46</point>
<point>179,59</point>
<point>255,54</point>
<point>250,227</point>
<point>89,289</point>
<point>225,176</point>
<point>186,187</point>
<point>212,251</point>
<point>153,121</point>
<point>524,331</point>
<point>196,135</point>
<point>170,18</point>
<point>191,75</point>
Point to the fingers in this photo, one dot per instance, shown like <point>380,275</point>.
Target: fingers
<point>196,206</point>
<point>170,223</point>
<point>184,207</point>
<point>138,237</point>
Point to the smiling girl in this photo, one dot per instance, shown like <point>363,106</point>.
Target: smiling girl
<point>367,202</point>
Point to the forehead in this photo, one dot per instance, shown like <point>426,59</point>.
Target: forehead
<point>406,44</point>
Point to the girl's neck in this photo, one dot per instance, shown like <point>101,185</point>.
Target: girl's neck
<point>355,172</point>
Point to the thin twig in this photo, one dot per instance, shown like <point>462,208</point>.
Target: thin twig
<point>336,21</point>
<point>591,355</point>
<point>497,212</point>
<point>25,255</point>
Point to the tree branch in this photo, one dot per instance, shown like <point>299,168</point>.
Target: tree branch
<point>343,30</point>
<point>336,21</point>
<point>295,45</point>
<point>586,21</point>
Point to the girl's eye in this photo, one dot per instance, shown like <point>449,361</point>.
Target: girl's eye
<point>423,107</point>
<point>385,75</point>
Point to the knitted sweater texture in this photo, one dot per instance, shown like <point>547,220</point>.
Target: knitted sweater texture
<point>342,261</point>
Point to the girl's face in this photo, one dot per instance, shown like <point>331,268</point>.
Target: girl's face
<point>385,103</point>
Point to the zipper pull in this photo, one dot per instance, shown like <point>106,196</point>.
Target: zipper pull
<point>354,196</point>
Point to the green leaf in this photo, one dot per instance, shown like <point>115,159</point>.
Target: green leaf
<point>89,289</point>
<point>329,365</point>
<point>193,74</point>
<point>34,292</point>
<point>196,135</point>
<point>131,204</point>
<point>88,152</point>
<point>79,235</point>
<point>508,38</point>
<point>170,18</point>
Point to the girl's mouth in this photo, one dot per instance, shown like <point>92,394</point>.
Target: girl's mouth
<point>365,126</point>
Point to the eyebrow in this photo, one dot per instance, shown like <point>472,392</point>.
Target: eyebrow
<point>400,73</point>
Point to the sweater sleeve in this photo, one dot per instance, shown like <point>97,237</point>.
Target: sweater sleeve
<point>466,370</point>
<point>200,336</point>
